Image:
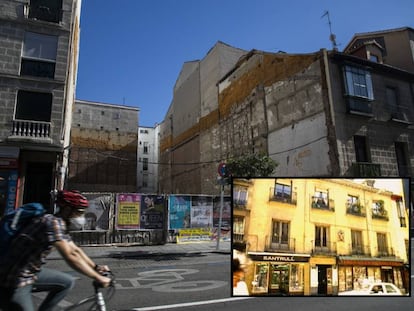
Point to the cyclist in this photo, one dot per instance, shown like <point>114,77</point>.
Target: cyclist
<point>18,281</point>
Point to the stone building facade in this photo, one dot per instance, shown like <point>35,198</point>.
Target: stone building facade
<point>38,67</point>
<point>319,114</point>
<point>104,146</point>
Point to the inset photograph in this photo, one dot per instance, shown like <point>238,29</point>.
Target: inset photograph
<point>321,237</point>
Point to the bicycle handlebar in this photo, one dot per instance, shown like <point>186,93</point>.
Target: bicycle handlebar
<point>107,274</point>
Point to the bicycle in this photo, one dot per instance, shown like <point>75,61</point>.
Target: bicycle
<point>97,301</point>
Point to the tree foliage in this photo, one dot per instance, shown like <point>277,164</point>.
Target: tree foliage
<point>251,165</point>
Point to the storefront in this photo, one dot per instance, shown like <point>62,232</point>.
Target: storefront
<point>324,275</point>
<point>8,179</point>
<point>354,274</point>
<point>278,274</point>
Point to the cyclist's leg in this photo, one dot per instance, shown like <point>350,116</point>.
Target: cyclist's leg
<point>22,299</point>
<point>57,283</point>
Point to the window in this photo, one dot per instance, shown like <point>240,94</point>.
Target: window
<point>145,164</point>
<point>33,106</point>
<point>357,247</point>
<point>46,10</point>
<point>402,159</point>
<point>283,191</point>
<point>320,199</point>
<point>146,147</point>
<point>401,212</point>
<point>382,244</point>
<point>280,233</point>
<point>373,58</point>
<point>358,82</point>
<point>238,229</point>
<point>321,237</point>
<point>39,55</point>
<point>240,196</point>
<point>361,150</point>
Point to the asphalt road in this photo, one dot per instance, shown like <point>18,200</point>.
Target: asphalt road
<point>201,281</point>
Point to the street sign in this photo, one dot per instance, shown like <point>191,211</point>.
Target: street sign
<point>222,171</point>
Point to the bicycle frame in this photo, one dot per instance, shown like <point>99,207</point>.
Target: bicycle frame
<point>97,300</point>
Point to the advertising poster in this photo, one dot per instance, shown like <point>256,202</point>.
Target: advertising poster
<point>179,211</point>
<point>97,214</point>
<point>152,212</point>
<point>226,214</point>
<point>201,212</point>
<point>128,211</point>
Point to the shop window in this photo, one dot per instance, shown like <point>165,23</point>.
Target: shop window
<point>261,278</point>
<point>296,283</point>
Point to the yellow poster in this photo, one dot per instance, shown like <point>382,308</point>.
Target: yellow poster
<point>128,211</point>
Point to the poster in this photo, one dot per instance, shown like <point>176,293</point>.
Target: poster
<point>226,213</point>
<point>201,212</point>
<point>152,212</point>
<point>179,211</point>
<point>97,214</point>
<point>128,211</point>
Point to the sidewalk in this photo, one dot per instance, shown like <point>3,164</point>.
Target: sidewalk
<point>152,250</point>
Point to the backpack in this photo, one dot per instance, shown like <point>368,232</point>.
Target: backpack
<point>12,223</point>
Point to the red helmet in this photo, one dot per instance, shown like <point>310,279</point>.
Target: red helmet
<point>73,199</point>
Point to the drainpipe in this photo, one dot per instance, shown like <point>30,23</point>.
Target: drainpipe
<point>330,118</point>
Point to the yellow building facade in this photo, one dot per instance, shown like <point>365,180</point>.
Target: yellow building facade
<point>320,236</point>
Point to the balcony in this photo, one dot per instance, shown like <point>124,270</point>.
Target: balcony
<point>355,209</point>
<point>322,204</point>
<point>31,129</point>
<point>360,250</point>
<point>284,198</point>
<point>280,246</point>
<point>366,169</point>
<point>240,204</point>
<point>328,249</point>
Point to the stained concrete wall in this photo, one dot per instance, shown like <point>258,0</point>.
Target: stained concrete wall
<point>104,145</point>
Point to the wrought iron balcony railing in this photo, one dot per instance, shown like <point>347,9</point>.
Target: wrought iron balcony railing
<point>366,169</point>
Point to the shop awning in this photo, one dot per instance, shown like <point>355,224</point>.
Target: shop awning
<point>369,262</point>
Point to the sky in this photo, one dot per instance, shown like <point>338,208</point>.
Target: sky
<point>132,51</point>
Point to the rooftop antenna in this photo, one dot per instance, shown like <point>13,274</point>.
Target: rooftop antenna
<point>332,37</point>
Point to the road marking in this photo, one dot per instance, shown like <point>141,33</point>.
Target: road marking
<point>190,304</point>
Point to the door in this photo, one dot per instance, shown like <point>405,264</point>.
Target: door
<point>38,183</point>
<point>322,280</point>
<point>279,280</point>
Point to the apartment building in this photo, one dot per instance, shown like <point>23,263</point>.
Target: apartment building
<point>326,113</point>
<point>186,152</point>
<point>38,66</point>
<point>148,149</point>
<point>104,147</point>
<point>320,236</point>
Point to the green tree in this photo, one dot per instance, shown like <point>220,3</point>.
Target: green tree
<point>251,165</point>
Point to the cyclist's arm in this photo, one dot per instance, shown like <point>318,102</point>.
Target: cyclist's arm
<point>79,261</point>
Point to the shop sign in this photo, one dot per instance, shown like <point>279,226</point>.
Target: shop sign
<point>279,258</point>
